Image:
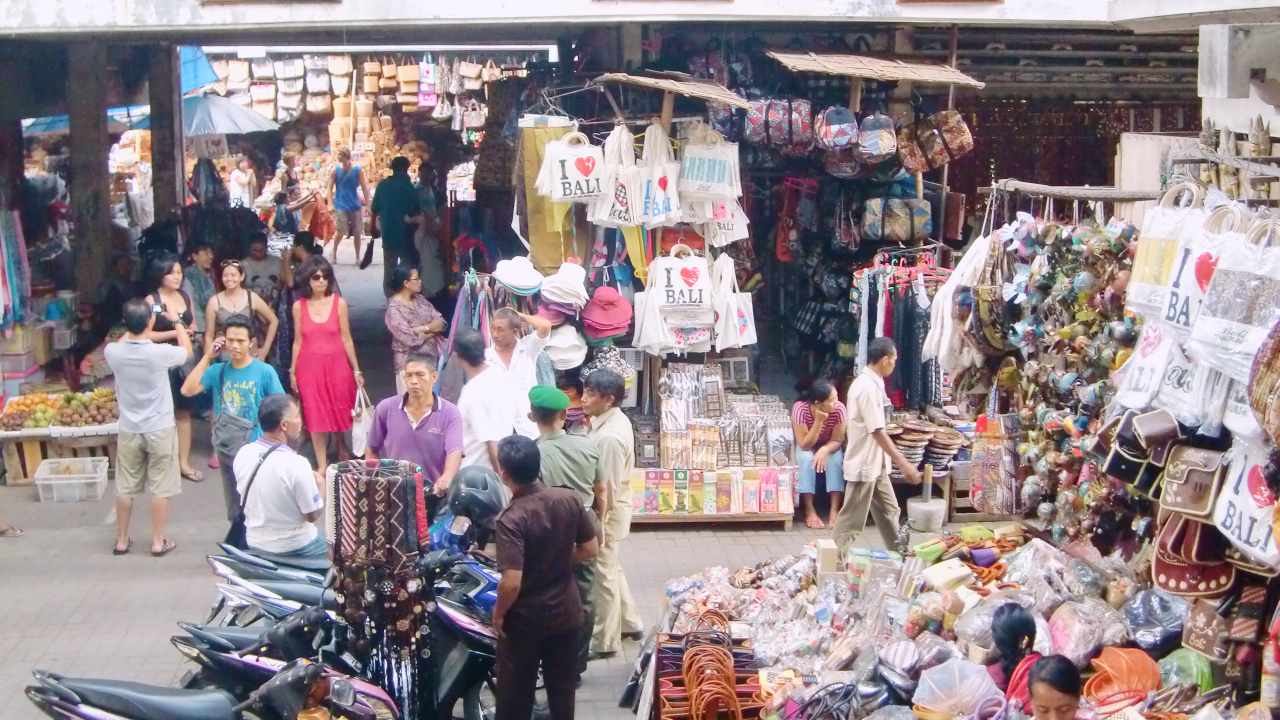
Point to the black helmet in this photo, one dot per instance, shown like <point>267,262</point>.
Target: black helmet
<point>477,494</point>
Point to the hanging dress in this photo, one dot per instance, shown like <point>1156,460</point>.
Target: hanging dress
<point>326,383</point>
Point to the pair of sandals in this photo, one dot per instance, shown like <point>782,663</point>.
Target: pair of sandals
<point>166,547</point>
<point>10,531</point>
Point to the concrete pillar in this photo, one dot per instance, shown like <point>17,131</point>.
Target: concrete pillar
<point>166,130</point>
<point>89,144</point>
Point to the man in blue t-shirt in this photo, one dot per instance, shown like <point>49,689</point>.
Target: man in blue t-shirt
<point>238,388</point>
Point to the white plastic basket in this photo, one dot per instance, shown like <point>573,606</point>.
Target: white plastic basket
<point>72,479</point>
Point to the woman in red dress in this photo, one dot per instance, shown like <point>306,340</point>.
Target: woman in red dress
<point>325,370</point>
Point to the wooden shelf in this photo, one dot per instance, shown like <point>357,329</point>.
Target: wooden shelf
<point>717,519</point>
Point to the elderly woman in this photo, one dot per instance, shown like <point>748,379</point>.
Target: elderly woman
<point>415,325</point>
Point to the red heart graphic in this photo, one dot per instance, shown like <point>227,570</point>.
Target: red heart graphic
<point>585,165</point>
<point>1205,265</point>
<point>1262,495</point>
<point>689,275</point>
<point>1151,337</point>
<point>662,182</point>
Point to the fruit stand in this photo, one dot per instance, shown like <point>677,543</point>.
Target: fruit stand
<point>40,426</point>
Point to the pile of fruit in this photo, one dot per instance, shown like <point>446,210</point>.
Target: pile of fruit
<point>30,411</point>
<point>88,408</point>
<point>39,410</point>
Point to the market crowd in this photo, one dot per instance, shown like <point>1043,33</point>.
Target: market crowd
<point>262,346</point>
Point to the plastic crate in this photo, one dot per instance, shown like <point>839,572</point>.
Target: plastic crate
<point>19,363</point>
<point>72,479</point>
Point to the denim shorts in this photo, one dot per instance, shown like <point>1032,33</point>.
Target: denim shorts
<point>317,548</point>
<point>808,478</point>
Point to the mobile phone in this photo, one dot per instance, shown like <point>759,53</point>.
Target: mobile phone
<point>158,309</point>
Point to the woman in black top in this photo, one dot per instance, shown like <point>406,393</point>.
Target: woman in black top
<point>171,305</point>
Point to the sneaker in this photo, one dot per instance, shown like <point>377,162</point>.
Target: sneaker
<point>213,462</point>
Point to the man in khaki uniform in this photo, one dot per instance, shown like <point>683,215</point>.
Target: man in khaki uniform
<point>868,452</point>
<point>616,615</point>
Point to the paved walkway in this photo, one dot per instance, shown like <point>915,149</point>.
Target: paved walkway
<point>67,604</point>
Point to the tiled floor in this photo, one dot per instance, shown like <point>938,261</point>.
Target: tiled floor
<point>67,604</point>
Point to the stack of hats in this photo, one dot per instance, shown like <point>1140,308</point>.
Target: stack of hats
<point>607,316</point>
<point>911,437</point>
<point>564,293</point>
<point>943,446</point>
<point>518,275</point>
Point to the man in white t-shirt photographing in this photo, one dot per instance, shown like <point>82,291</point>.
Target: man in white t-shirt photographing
<point>280,491</point>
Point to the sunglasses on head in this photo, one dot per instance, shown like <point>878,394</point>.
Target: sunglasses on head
<point>231,263</point>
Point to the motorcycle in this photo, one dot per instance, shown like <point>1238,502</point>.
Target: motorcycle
<point>296,691</point>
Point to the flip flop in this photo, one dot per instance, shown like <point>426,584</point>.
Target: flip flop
<point>814,523</point>
<point>193,476</point>
<point>127,547</point>
<point>214,463</point>
<point>11,532</point>
<point>168,547</point>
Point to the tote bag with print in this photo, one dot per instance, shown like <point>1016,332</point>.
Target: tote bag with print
<point>1163,228</point>
<point>1241,305</point>
<point>616,206</point>
<point>728,224</point>
<point>572,169</point>
<point>1245,505</point>
<point>658,180</point>
<point>681,282</point>
<point>710,170</point>
<point>1196,261</point>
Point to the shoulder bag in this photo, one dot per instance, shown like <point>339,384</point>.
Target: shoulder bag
<point>230,432</point>
<point>236,535</point>
<point>1191,481</point>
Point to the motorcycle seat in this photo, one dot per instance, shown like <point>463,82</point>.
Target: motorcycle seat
<point>149,702</point>
<point>235,637</point>
<point>306,594</point>
<point>317,565</point>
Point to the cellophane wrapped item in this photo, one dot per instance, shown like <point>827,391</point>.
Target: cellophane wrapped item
<point>1040,569</point>
<point>955,687</point>
<point>1154,619</point>
<point>973,627</point>
<point>1081,627</point>
<point>892,712</point>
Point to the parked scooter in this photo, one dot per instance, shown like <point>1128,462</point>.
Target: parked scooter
<point>295,690</point>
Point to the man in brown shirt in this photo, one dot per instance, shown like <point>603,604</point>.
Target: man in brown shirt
<point>541,535</point>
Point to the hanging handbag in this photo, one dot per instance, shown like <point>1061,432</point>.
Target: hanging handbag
<point>710,171</point>
<point>317,82</point>
<point>1155,431</point>
<point>472,84</point>
<point>1197,258</point>
<point>263,98</point>
<point>1264,385</point>
<point>909,152</point>
<point>658,176</point>
<point>616,206</point>
<point>371,67</point>
<point>340,65</point>
<point>1176,577</point>
<point>572,169</point>
<point>455,78</point>
<point>237,535</point>
<point>897,220</point>
<point>491,72</point>
<point>845,164</point>
<point>877,141</point>
<point>288,107</point>
<point>289,68</point>
<point>1245,506</point>
<point>1241,305</point>
<point>408,72</point>
<point>1192,477</point>
<point>319,104</point>
<point>944,137</point>
<point>469,69</point>
<point>389,69</point>
<point>263,69</point>
<point>238,78</point>
<point>427,74</point>
<point>836,128</point>
<point>443,110</point>
<point>1190,540</point>
<point>474,116</point>
<point>371,84</point>
<point>341,84</point>
<point>846,236</point>
<point>1163,227</point>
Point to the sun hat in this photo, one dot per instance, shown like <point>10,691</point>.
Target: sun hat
<point>518,275</point>
<point>566,348</point>
<point>608,313</point>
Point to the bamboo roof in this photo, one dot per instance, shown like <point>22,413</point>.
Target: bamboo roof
<point>680,85</point>
<point>861,66</point>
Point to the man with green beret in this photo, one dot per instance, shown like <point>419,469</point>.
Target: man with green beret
<point>570,461</point>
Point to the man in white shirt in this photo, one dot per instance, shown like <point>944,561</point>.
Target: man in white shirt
<point>868,452</point>
<point>281,493</point>
<point>487,403</point>
<point>147,444</point>
<point>240,188</point>
<point>517,358</point>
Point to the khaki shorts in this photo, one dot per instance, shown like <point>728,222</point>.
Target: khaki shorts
<point>148,461</point>
<point>350,223</point>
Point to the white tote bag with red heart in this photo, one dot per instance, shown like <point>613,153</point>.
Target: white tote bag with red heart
<point>658,180</point>
<point>1245,504</point>
<point>1197,258</point>
<point>572,170</point>
<point>681,283</point>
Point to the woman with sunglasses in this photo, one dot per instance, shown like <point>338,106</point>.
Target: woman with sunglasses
<point>236,299</point>
<point>325,371</point>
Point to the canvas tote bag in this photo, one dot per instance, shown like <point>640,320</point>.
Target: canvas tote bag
<point>1196,261</point>
<point>1241,305</point>
<point>1162,231</point>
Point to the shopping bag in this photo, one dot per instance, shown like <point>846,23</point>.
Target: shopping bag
<point>651,333</point>
<point>1142,373</point>
<point>361,422</point>
<point>615,207</point>
<point>728,223</point>
<point>725,303</point>
<point>683,285</point>
<point>1195,262</point>
<point>1241,305</point>
<point>1245,504</point>
<point>1162,230</point>
<point>710,170</point>
<point>572,169</point>
<point>658,179</point>
<point>877,140</point>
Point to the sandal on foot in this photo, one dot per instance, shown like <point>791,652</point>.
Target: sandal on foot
<point>814,523</point>
<point>193,475</point>
<point>11,532</point>
<point>168,547</point>
<point>115,550</point>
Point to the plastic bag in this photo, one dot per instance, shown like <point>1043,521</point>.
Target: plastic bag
<point>1079,628</point>
<point>1154,619</point>
<point>973,627</point>
<point>934,650</point>
<point>1186,667</point>
<point>955,687</point>
<point>892,712</point>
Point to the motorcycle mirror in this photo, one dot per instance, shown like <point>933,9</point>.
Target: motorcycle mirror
<point>331,577</point>
<point>342,693</point>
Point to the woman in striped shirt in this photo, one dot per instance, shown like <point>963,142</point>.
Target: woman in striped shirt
<point>818,421</point>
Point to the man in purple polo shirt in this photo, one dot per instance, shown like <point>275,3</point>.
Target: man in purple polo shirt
<point>420,427</point>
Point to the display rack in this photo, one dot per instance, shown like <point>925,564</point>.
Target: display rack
<point>784,519</point>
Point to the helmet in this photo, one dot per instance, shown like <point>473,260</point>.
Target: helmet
<point>477,494</point>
